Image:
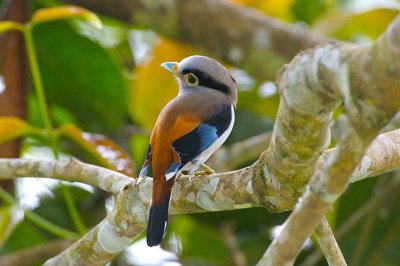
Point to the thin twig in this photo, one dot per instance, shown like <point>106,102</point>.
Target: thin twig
<point>357,216</point>
<point>36,254</point>
<point>366,229</point>
<point>228,235</point>
<point>328,244</point>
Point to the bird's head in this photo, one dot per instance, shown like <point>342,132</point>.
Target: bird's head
<point>200,73</point>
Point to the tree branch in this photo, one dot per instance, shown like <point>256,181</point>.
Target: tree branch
<point>36,254</point>
<point>364,78</point>
<point>72,171</point>
<point>228,235</point>
<point>236,34</point>
<point>218,192</point>
<point>328,243</point>
<point>369,91</point>
<point>383,188</point>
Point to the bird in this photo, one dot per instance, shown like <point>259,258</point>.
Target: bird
<point>188,130</point>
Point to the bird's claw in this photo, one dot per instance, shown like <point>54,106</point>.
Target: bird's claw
<point>207,171</point>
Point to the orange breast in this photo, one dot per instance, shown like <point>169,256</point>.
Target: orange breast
<point>169,127</point>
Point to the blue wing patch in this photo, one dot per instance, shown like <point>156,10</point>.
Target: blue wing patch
<point>193,143</point>
<point>202,137</point>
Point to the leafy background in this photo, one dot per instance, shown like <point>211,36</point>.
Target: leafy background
<point>110,83</point>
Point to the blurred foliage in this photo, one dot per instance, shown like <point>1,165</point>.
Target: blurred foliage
<point>279,9</point>
<point>153,86</point>
<point>105,89</point>
<point>362,26</point>
<point>76,69</point>
<point>52,207</point>
<point>13,127</point>
<point>104,151</point>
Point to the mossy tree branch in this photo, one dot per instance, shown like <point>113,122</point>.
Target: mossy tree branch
<point>218,192</point>
<point>366,80</point>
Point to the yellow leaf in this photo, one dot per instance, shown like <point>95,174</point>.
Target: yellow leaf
<point>62,12</point>
<point>10,25</point>
<point>13,127</point>
<point>279,9</point>
<point>103,150</point>
<point>347,26</point>
<point>154,86</point>
<point>374,22</point>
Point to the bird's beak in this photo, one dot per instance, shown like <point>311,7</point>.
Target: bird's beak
<point>171,67</point>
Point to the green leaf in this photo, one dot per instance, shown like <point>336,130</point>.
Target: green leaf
<point>252,228</point>
<point>25,235</point>
<point>52,208</point>
<point>251,101</point>
<point>138,147</point>
<point>10,217</point>
<point>201,243</point>
<point>81,76</point>
<point>309,10</point>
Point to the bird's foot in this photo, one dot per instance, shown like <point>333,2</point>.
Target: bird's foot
<point>207,171</point>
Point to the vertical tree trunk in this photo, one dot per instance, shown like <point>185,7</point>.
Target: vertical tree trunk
<point>13,74</point>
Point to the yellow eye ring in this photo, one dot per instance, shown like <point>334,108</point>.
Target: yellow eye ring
<point>191,79</point>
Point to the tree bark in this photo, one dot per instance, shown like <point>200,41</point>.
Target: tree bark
<point>13,76</point>
<point>366,80</point>
<point>226,191</point>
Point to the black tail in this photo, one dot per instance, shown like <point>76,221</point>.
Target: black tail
<point>157,224</point>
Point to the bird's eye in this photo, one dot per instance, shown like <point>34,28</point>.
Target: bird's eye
<point>191,79</point>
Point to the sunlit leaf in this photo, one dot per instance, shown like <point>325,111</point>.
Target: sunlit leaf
<point>347,26</point>
<point>102,149</point>
<point>62,12</point>
<point>13,127</point>
<point>278,9</point>
<point>154,86</point>
<point>10,25</point>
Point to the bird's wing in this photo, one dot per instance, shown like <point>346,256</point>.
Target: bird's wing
<point>146,164</point>
<point>190,145</point>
